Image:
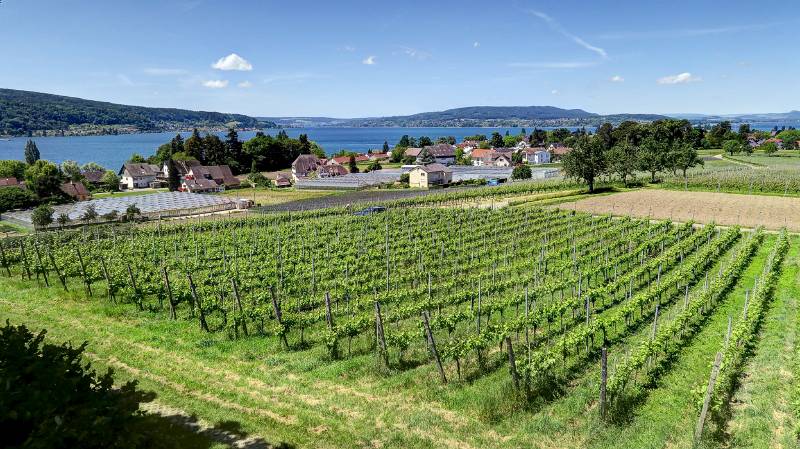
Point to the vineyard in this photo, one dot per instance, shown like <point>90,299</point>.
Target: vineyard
<point>534,311</point>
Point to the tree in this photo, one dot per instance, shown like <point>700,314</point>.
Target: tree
<point>15,198</point>
<point>177,144</point>
<point>497,140</point>
<point>559,135</point>
<point>685,156</point>
<point>652,154</point>
<point>521,172</point>
<point>374,165</point>
<point>173,178</point>
<point>719,133</point>
<point>732,146</point>
<point>424,141</point>
<point>12,169</point>
<point>744,132</point>
<point>385,146</point>
<point>110,181</point>
<point>89,213</point>
<point>586,161</point>
<point>305,144</point>
<point>425,157</point>
<point>510,141</point>
<point>404,142</point>
<point>398,153</point>
<point>193,146</point>
<point>44,179</point>
<point>54,399</point>
<point>538,137</point>
<point>352,164</point>
<point>137,158</point>
<point>71,170</point>
<point>769,148</point>
<point>606,135</point>
<point>622,159</point>
<point>131,212</point>
<point>31,152</point>
<point>42,216</point>
<point>461,157</point>
<point>62,220</point>
<point>92,166</point>
<point>516,157</point>
<point>790,138</point>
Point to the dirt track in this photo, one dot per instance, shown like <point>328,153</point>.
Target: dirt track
<point>773,212</point>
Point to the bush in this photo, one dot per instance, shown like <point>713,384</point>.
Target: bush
<point>521,172</point>
<point>405,178</point>
<point>42,216</point>
<point>15,198</point>
<point>51,399</point>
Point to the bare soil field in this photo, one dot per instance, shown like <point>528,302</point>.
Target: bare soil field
<point>773,212</point>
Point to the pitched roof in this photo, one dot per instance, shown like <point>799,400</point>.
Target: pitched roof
<point>75,190</point>
<point>184,167</point>
<point>9,182</point>
<point>94,176</point>
<point>140,169</point>
<point>412,151</point>
<point>221,174</point>
<point>331,170</point>
<point>481,153</point>
<point>431,168</point>
<point>199,184</point>
<point>441,150</point>
<point>305,163</point>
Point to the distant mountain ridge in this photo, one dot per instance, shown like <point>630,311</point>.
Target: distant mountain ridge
<point>23,112</point>
<point>791,116</point>
<point>474,116</point>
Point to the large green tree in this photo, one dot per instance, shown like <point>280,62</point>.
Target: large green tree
<point>685,156</point>
<point>214,150</point>
<point>652,156</point>
<point>31,152</point>
<point>173,178</point>
<point>44,179</point>
<point>622,159</point>
<point>42,216</point>
<point>193,146</point>
<point>10,168</point>
<point>497,140</point>
<point>586,161</point>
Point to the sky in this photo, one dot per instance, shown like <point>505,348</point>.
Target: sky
<point>375,58</point>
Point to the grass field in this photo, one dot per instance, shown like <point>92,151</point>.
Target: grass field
<point>254,387</point>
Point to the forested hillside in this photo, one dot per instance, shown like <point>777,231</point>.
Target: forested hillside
<point>23,112</point>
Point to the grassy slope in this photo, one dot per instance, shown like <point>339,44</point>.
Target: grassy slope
<point>762,415</point>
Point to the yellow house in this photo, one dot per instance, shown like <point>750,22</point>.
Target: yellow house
<point>426,176</point>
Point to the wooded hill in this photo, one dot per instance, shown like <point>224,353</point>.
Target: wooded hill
<point>24,112</point>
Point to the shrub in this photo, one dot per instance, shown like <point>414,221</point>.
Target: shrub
<point>521,172</point>
<point>42,216</point>
<point>50,399</point>
<point>15,198</point>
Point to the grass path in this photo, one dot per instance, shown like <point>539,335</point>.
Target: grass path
<point>762,412</point>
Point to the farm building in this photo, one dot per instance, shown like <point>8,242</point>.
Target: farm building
<point>443,153</point>
<point>137,175</point>
<point>201,185</point>
<point>183,168</point>
<point>426,176</point>
<point>304,165</point>
<point>220,174</point>
<point>282,180</point>
<point>76,191</point>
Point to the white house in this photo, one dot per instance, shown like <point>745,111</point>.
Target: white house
<point>537,156</point>
<point>502,161</point>
<point>138,175</point>
<point>426,176</point>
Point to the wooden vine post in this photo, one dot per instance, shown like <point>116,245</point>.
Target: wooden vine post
<point>24,260</point>
<point>707,399</point>
<point>41,264</point>
<point>58,272</point>
<point>172,314</point>
<point>277,309</point>
<point>86,280</point>
<point>4,260</point>
<point>334,348</point>
<point>432,345</point>
<point>239,305</point>
<point>512,364</point>
<point>380,336</point>
<point>603,380</point>
<point>106,275</point>
<point>135,290</point>
<point>196,299</point>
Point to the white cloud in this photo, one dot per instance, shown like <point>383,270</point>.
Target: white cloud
<point>681,78</point>
<point>554,92</point>
<point>554,25</point>
<point>158,71</point>
<point>552,65</point>
<point>369,60</point>
<point>245,84</point>
<point>476,44</point>
<point>416,54</point>
<point>216,84</point>
<point>232,62</point>
<point>617,79</point>
<point>349,48</point>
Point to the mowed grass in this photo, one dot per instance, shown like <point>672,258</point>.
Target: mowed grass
<point>302,398</point>
<point>272,196</point>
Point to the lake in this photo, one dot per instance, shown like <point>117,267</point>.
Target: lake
<point>112,151</point>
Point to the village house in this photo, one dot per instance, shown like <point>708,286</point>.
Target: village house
<point>431,175</point>
<point>93,176</point>
<point>282,180</point>
<point>502,160</point>
<point>378,156</point>
<point>9,182</point>
<point>220,174</point>
<point>76,190</point>
<point>330,171</point>
<point>443,153</point>
<point>304,165</point>
<point>778,142</point>
<point>412,152</point>
<point>134,175</point>
<point>557,151</point>
<point>481,157</point>
<point>201,185</point>
<point>537,155</point>
<point>183,168</point>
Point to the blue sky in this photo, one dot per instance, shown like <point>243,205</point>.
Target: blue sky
<point>367,58</point>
